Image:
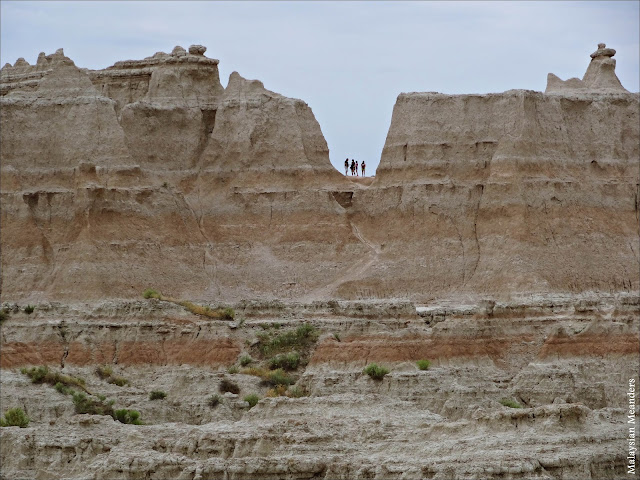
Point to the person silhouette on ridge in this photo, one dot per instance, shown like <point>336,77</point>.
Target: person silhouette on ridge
<point>353,166</point>
<point>357,169</point>
<point>346,166</point>
<point>362,167</point>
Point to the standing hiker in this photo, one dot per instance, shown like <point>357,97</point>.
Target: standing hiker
<point>357,169</point>
<point>362,167</point>
<point>353,166</point>
<point>346,166</point>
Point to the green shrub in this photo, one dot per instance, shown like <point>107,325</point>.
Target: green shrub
<point>29,309</point>
<point>278,377</point>
<point>233,369</point>
<point>14,417</point>
<point>229,386</point>
<point>245,360</point>
<point>507,402</point>
<point>157,395</point>
<point>252,400</point>
<point>286,361</point>
<point>3,316</point>
<point>213,401</point>
<point>375,371</point>
<point>151,293</point>
<point>127,416</point>
<point>423,364</point>
<point>337,336</point>
<point>228,313</point>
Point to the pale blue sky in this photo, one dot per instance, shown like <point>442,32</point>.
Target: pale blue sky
<point>347,60</point>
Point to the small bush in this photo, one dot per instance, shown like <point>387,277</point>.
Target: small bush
<point>229,386</point>
<point>288,361</point>
<point>127,416</point>
<point>157,395</point>
<point>151,293</point>
<point>3,316</point>
<point>14,417</point>
<point>233,369</point>
<point>36,374</point>
<point>375,371</point>
<point>119,381</point>
<point>106,373</point>
<point>278,377</point>
<point>228,313</point>
<point>252,400</point>
<point>245,360</point>
<point>84,404</point>
<point>423,364</point>
<point>213,401</point>
<point>507,402</point>
<point>337,336</point>
<point>29,309</point>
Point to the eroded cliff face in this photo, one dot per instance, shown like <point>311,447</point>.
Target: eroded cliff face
<point>506,193</point>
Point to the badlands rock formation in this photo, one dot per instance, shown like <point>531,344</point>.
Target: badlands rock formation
<point>499,240</point>
<point>599,77</point>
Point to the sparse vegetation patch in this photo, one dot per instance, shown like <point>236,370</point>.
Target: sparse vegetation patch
<point>303,336</point>
<point>507,402</point>
<point>42,374</point>
<point>226,313</point>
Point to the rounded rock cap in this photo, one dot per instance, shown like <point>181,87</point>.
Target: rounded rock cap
<point>603,51</point>
<point>197,49</point>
